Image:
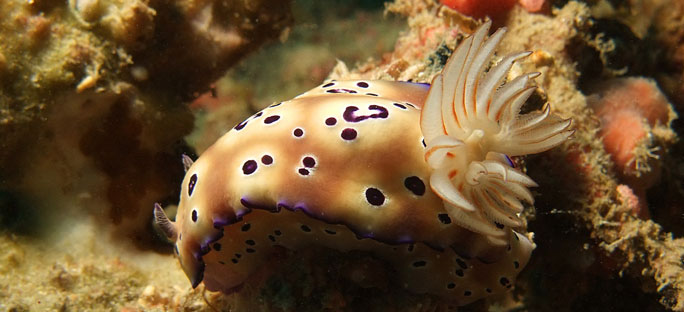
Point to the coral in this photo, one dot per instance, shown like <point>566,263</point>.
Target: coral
<point>92,96</point>
<point>479,9</point>
<point>494,9</point>
<point>635,128</point>
<point>79,271</point>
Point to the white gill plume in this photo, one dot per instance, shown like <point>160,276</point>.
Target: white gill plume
<point>471,120</point>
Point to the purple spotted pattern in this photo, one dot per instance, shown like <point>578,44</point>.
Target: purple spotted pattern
<point>348,134</point>
<point>341,91</point>
<point>271,119</point>
<point>350,116</point>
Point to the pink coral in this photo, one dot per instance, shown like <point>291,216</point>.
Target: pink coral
<point>495,9</point>
<point>630,109</point>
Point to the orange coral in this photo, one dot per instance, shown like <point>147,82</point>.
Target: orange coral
<point>629,110</point>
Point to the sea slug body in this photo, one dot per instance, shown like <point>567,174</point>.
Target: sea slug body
<point>416,175</point>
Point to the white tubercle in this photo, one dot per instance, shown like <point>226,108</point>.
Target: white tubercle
<point>471,120</point>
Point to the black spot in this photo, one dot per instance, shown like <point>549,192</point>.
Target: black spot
<point>309,162</point>
<point>246,227</point>
<point>305,228</point>
<point>191,184</point>
<point>271,238</point>
<point>175,248</point>
<point>362,84</point>
<point>371,94</point>
<point>274,105</point>
<point>459,273</point>
<point>348,134</point>
<point>410,247</point>
<point>271,119</point>
<point>278,232</point>
<point>241,125</point>
<point>194,215</point>
<point>250,250</point>
<point>504,281</point>
<point>331,121</point>
<point>249,166</point>
<point>303,171</point>
<point>298,132</point>
<point>467,293</point>
<point>508,248</point>
<point>221,262</point>
<point>399,105</point>
<point>331,232</point>
<point>374,196</point>
<point>461,263</point>
<point>237,255</point>
<point>257,115</point>
<point>516,264</point>
<point>234,260</point>
<point>250,242</point>
<point>444,218</point>
<point>409,104</point>
<point>266,159</point>
<point>451,285</point>
<point>489,290</point>
<point>415,185</point>
<point>217,246</point>
<point>499,225</point>
<point>423,141</point>
<point>329,84</point>
<point>419,264</point>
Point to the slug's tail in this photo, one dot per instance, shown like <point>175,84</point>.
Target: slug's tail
<point>471,120</point>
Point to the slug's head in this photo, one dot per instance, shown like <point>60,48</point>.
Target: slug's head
<point>199,219</point>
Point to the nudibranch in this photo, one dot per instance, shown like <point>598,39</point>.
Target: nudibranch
<point>417,175</point>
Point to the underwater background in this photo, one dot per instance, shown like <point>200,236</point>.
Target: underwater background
<point>99,100</point>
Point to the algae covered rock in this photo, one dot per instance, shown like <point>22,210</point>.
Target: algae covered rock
<point>93,94</point>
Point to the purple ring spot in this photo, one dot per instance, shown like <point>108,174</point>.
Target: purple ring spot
<point>298,132</point>
<point>266,159</point>
<point>383,113</point>
<point>271,119</point>
<point>348,134</point>
<point>303,171</point>
<point>399,105</point>
<point>362,84</point>
<point>341,91</point>
<point>331,121</point>
<point>349,113</point>
<point>309,162</point>
<point>374,196</point>
<point>249,167</point>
